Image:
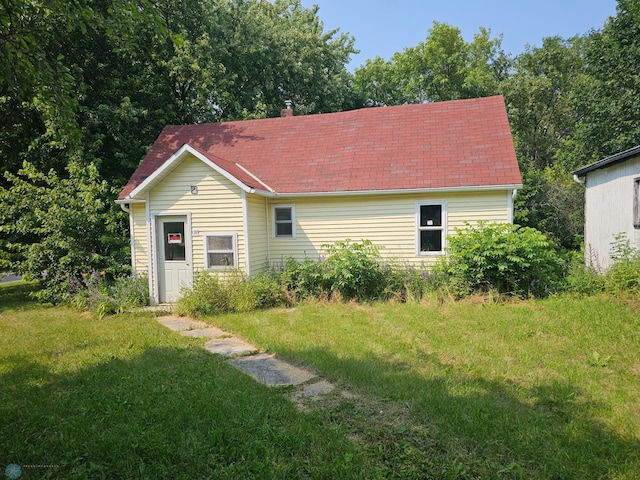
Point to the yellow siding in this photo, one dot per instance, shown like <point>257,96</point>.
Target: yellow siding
<point>140,247</point>
<point>476,207</point>
<point>217,207</point>
<point>389,221</point>
<point>257,232</point>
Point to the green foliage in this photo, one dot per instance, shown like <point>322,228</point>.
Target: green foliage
<point>103,297</point>
<point>55,229</point>
<point>354,270</point>
<point>233,291</point>
<point>304,279</point>
<point>406,283</point>
<point>87,86</point>
<point>61,61</point>
<point>514,260</point>
<point>443,67</point>
<point>553,203</point>
<point>351,271</point>
<point>609,105</point>
<point>543,118</point>
<point>266,287</point>
<point>206,296</point>
<point>540,101</point>
<point>623,277</point>
<point>582,278</point>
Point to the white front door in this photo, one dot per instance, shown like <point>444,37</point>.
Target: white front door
<point>174,270</point>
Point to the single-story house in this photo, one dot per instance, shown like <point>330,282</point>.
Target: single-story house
<point>248,194</point>
<point>612,204</point>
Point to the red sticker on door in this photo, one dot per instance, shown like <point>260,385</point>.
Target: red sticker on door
<point>174,238</point>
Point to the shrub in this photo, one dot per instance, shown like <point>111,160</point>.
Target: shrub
<point>230,292</point>
<point>623,277</point>
<point>103,297</point>
<point>268,290</point>
<point>354,270</point>
<point>305,279</point>
<point>405,282</point>
<point>240,292</point>
<point>72,227</point>
<point>206,296</point>
<point>505,258</point>
<point>584,279</point>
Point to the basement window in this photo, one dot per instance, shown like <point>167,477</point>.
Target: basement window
<point>431,227</point>
<point>284,221</point>
<point>221,250</point>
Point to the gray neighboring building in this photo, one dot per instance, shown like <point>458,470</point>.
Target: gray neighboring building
<point>612,204</point>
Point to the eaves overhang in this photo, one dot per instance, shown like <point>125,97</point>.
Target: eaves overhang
<point>606,162</point>
<point>474,188</point>
<point>173,161</point>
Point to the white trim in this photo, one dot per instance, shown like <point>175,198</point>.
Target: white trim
<point>151,271</point>
<point>268,233</point>
<point>293,220</point>
<point>245,225</point>
<point>234,236</point>
<point>443,227</point>
<point>348,193</point>
<point>132,242</point>
<point>254,177</point>
<point>510,207</point>
<point>177,157</point>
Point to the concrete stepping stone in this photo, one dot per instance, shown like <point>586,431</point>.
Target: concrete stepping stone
<point>209,332</point>
<point>178,324</point>
<point>315,389</point>
<point>271,371</point>
<point>229,347</point>
<point>263,367</point>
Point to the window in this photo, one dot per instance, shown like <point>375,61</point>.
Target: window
<point>284,221</point>
<point>174,247</point>
<point>221,250</point>
<point>431,228</point>
<point>636,203</point>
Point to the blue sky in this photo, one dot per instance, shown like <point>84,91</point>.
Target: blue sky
<point>383,27</point>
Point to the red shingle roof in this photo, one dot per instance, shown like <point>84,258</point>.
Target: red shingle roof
<point>454,144</point>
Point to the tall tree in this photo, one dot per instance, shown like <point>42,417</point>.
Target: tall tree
<point>443,67</point>
<point>86,85</point>
<point>540,99</point>
<point>42,85</point>
<point>609,105</point>
<point>132,67</point>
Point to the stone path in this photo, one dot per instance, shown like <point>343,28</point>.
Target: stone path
<point>263,367</point>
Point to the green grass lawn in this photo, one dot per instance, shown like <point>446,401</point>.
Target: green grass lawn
<point>537,389</point>
<point>545,389</point>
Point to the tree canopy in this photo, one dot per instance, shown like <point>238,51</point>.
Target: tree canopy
<point>86,86</point>
<point>443,67</point>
